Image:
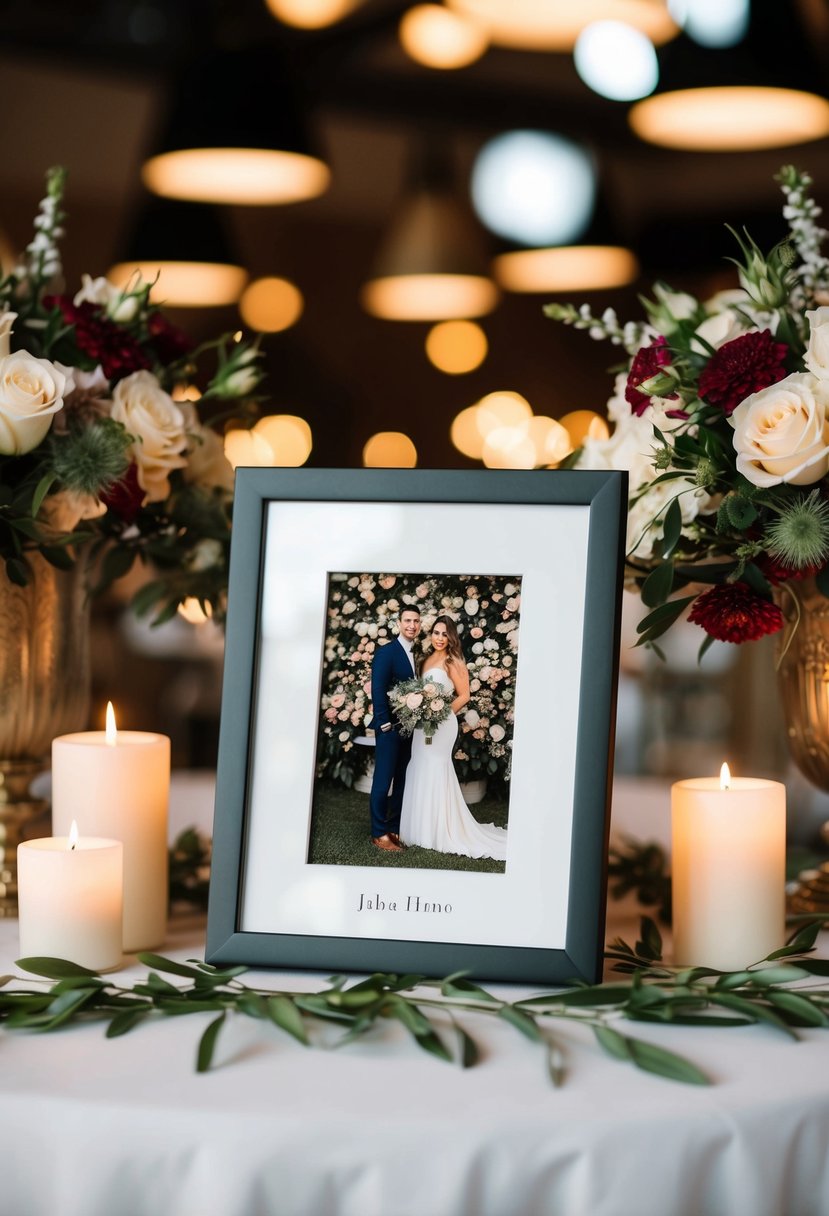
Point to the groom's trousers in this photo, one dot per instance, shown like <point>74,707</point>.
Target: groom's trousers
<point>391,756</point>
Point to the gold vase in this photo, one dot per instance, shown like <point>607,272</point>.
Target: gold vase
<point>44,692</point>
<point>803,677</point>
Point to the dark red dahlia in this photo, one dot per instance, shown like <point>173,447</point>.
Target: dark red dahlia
<point>647,361</point>
<point>732,612</point>
<point>742,367</point>
<point>168,342</point>
<point>124,497</point>
<point>101,339</point>
<point>778,572</point>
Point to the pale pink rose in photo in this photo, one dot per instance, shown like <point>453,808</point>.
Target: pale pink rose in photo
<point>484,603</point>
<point>349,607</point>
<point>471,607</point>
<point>347,747</point>
<point>422,591</point>
<point>331,715</point>
<point>343,715</point>
<point>507,660</point>
<point>472,718</point>
<point>343,736</point>
<point>497,597</point>
<point>382,633</point>
<point>478,734</point>
<point>367,688</point>
<point>387,582</point>
<point>368,596</point>
<point>338,700</point>
<point>354,582</point>
<point>485,673</point>
<point>472,592</point>
<point>356,718</point>
<point>476,632</point>
<point>496,732</point>
<point>429,689</point>
<point>414,700</point>
<point>356,656</point>
<point>393,605</point>
<point>510,589</point>
<point>474,685</point>
<point>370,648</point>
<point>514,603</point>
<point>438,704</point>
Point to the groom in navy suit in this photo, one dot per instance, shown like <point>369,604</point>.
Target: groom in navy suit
<point>392,663</point>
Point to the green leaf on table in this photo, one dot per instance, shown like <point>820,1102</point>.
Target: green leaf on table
<point>799,1007</point>
<point>612,1042</point>
<point>52,968</point>
<point>207,1044</point>
<point>418,1026</point>
<point>167,964</point>
<point>556,1068</point>
<point>802,939</point>
<point>320,1008</point>
<point>66,1005</point>
<point>596,995</point>
<point>651,1058</point>
<point>521,1021</point>
<point>124,1021</point>
<point>766,976</point>
<point>465,988</point>
<point>752,1009</point>
<point>468,1054</point>
<point>283,1011</point>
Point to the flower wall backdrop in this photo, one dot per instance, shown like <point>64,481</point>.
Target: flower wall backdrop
<point>362,616</point>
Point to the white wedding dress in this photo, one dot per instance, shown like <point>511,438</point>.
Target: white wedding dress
<point>434,813</point>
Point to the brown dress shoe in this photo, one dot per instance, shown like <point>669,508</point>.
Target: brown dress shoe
<point>386,844</point>
<point>397,839</point>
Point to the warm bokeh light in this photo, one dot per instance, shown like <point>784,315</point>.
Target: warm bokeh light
<point>311,14</point>
<point>554,25</point>
<point>550,440</point>
<point>712,22</point>
<point>584,424</point>
<point>271,304</point>
<point>616,61</point>
<point>465,433</point>
<point>288,437</point>
<point>185,392</point>
<point>185,284</point>
<point>456,347</point>
<point>501,409</point>
<point>389,450</point>
<point>567,268</point>
<point>193,612</point>
<point>730,119</point>
<point>509,447</point>
<point>248,176</point>
<point>429,297</point>
<point>438,38</point>
<point>246,448</point>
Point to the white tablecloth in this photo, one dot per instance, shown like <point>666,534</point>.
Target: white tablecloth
<point>90,1127</point>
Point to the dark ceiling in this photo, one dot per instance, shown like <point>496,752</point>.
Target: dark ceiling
<point>85,84</point>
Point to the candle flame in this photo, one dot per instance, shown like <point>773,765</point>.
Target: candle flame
<point>725,777</point>
<point>72,843</point>
<point>111,731</point>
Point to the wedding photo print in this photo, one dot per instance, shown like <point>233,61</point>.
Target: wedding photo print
<point>416,721</point>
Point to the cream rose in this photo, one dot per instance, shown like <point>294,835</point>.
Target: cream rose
<point>414,700</point>
<point>7,320</point>
<point>151,415</point>
<point>817,352</point>
<point>781,434</point>
<point>31,393</point>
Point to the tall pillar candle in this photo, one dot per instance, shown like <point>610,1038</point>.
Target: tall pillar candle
<point>70,899</point>
<point>728,870</point>
<point>118,784</point>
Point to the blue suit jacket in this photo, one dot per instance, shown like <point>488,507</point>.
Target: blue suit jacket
<point>391,665</point>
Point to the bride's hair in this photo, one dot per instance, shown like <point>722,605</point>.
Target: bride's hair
<point>454,650</point>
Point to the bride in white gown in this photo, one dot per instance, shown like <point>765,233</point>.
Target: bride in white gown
<point>434,813</point>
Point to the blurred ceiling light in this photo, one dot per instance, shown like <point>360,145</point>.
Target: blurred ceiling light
<point>243,142</point>
<point>389,450</point>
<point>311,14</point>
<point>730,118</point>
<point>466,434</point>
<point>554,25</point>
<point>246,448</point>
<point>534,187</point>
<point>185,392</point>
<point>193,612</point>
<point>566,268</point>
<point>185,247</point>
<point>616,61</point>
<point>712,22</point>
<point>431,265</point>
<point>288,437</point>
<point>271,304</point>
<point>438,38</point>
<point>584,424</point>
<point>456,347</point>
<point>509,447</point>
<point>503,409</point>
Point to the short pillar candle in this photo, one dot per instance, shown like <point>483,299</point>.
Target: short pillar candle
<point>70,900</point>
<point>117,783</point>
<point>728,870</point>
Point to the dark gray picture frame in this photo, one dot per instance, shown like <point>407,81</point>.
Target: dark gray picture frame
<point>605,495</point>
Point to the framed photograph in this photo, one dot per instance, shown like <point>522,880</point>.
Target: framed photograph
<point>417,723</point>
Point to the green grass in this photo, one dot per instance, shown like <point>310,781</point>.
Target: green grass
<point>340,835</point>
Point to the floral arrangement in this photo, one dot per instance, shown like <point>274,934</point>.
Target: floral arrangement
<point>721,416</point>
<point>420,704</point>
<point>362,611</point>
<point>101,450</point>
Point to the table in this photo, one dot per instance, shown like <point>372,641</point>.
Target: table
<point>90,1127</point>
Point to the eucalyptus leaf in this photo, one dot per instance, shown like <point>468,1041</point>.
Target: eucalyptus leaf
<point>658,585</point>
<point>521,1021</point>
<point>468,1054</point>
<point>283,1011</point>
<point>753,1010</point>
<point>612,1042</point>
<point>166,964</point>
<point>800,1007</point>
<point>766,976</point>
<point>671,527</point>
<point>207,1044</point>
<point>555,1064</point>
<point>52,968</point>
<point>126,1020</point>
<point>651,1058</point>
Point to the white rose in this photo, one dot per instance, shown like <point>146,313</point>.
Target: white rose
<point>471,607</point>
<point>715,331</point>
<point>496,732</point>
<point>31,393</point>
<point>478,648</point>
<point>7,320</point>
<point>817,352</point>
<point>361,629</point>
<point>510,589</point>
<point>781,434</point>
<point>472,718</point>
<point>343,736</point>
<point>151,415</point>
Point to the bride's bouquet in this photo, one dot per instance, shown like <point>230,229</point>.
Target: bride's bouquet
<point>420,704</point>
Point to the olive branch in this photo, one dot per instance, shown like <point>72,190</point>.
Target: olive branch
<point>693,996</point>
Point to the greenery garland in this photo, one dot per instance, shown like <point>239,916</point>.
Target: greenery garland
<point>689,996</point>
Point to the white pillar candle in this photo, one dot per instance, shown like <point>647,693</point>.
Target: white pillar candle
<point>117,783</point>
<point>728,870</point>
<point>70,899</point>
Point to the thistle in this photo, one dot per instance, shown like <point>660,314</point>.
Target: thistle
<point>799,536</point>
<point>89,459</point>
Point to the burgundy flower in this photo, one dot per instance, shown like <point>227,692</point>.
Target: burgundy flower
<point>742,367</point>
<point>168,342</point>
<point>101,339</point>
<point>732,612</point>
<point>777,572</point>
<point>124,497</point>
<point>647,361</point>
